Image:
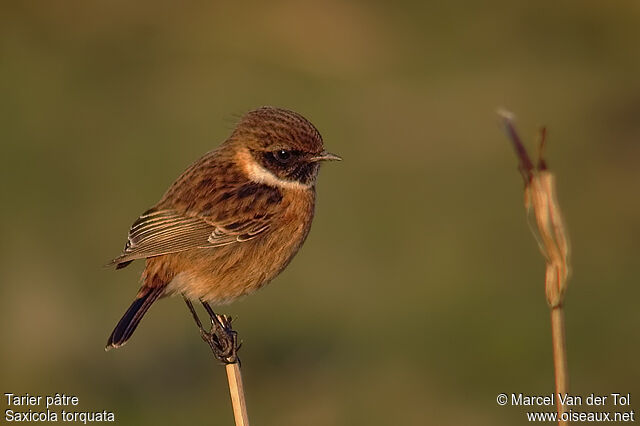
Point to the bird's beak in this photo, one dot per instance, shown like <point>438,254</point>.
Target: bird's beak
<point>326,156</point>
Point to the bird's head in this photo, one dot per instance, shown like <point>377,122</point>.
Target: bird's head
<point>279,148</point>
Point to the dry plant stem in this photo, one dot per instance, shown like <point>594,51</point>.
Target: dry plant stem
<point>549,230</point>
<point>559,357</point>
<point>224,344</point>
<point>236,389</point>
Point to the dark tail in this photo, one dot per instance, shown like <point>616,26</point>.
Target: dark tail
<point>130,320</point>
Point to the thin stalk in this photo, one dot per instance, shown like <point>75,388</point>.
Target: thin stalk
<point>236,389</point>
<point>549,230</point>
<point>559,358</point>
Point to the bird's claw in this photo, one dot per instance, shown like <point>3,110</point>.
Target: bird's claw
<point>222,339</point>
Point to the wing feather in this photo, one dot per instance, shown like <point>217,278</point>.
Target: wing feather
<point>159,232</point>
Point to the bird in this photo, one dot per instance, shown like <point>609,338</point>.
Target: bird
<point>232,221</point>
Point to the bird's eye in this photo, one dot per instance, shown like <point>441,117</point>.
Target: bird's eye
<point>282,155</point>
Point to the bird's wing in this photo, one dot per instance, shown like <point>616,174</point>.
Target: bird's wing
<point>159,232</point>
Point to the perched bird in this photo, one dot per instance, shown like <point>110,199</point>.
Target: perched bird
<point>232,221</point>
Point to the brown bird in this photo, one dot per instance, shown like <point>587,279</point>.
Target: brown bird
<point>232,221</point>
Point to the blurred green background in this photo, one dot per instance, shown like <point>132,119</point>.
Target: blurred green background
<point>418,296</point>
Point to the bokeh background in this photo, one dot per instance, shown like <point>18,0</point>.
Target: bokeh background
<point>418,296</point>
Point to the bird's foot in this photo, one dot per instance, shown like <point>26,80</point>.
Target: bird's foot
<point>222,339</point>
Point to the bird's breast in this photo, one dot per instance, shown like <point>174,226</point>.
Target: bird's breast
<point>222,274</point>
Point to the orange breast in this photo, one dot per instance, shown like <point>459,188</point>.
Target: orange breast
<point>221,274</point>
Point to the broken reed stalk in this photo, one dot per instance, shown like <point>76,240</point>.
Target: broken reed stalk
<point>547,225</point>
<point>236,389</point>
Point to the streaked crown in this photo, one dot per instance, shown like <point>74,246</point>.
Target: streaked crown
<point>284,148</point>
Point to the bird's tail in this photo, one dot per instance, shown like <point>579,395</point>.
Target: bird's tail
<point>130,320</point>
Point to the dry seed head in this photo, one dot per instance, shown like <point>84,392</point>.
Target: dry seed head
<point>545,216</point>
<point>550,231</point>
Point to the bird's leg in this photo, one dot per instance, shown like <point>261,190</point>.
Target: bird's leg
<point>193,312</point>
<point>222,339</point>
